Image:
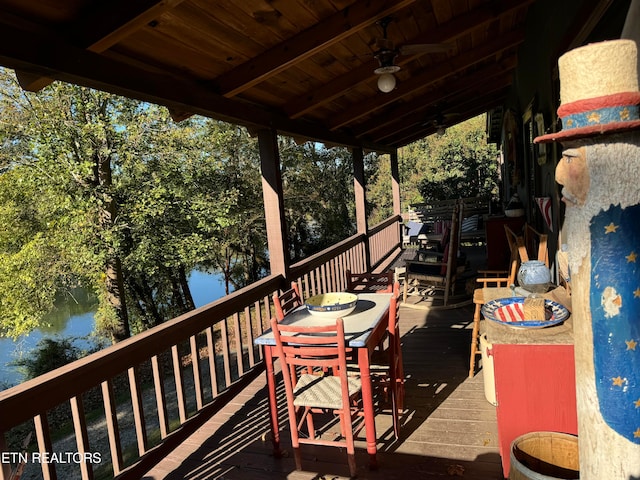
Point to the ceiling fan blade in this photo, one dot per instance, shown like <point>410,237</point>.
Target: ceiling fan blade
<point>413,49</point>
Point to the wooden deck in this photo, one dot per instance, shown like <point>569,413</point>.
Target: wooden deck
<point>449,428</point>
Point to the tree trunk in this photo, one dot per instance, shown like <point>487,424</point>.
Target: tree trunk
<point>186,291</point>
<point>114,283</point>
<point>145,302</point>
<point>115,296</point>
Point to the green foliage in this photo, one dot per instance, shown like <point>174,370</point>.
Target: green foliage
<point>318,196</point>
<point>110,194</point>
<point>49,354</point>
<point>457,164</point>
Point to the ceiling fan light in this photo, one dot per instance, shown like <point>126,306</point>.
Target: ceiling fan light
<point>387,69</point>
<point>386,82</point>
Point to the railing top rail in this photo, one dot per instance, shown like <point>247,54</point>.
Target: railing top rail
<point>304,266</point>
<point>57,386</point>
<point>384,224</point>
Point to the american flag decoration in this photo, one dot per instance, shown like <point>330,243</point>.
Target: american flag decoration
<point>615,316</point>
<point>510,311</point>
<point>544,204</point>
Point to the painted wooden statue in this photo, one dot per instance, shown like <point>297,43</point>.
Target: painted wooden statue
<point>600,177</point>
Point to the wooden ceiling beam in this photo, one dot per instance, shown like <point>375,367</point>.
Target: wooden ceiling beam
<point>404,109</point>
<point>428,77</point>
<point>434,97</point>
<point>101,28</point>
<point>476,93</point>
<point>448,32</point>
<point>480,108</point>
<point>305,44</point>
<point>49,56</point>
<point>108,23</point>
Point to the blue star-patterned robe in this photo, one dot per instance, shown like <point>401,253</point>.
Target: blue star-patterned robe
<point>615,315</point>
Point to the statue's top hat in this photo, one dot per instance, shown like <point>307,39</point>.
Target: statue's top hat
<point>598,91</point>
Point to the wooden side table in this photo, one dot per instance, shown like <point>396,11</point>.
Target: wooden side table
<point>534,374</point>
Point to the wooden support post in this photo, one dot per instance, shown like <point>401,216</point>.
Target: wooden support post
<point>395,183</point>
<point>359,187</point>
<point>273,202</point>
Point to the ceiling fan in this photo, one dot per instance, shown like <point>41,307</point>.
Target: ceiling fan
<point>440,121</point>
<point>387,53</point>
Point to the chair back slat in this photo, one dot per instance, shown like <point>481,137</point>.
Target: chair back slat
<point>369,282</point>
<point>287,301</point>
<point>312,346</point>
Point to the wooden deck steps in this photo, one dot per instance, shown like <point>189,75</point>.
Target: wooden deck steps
<point>449,428</point>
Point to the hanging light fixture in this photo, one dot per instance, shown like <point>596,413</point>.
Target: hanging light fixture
<point>386,56</point>
<point>386,82</point>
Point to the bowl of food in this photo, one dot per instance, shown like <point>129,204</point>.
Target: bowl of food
<point>332,305</point>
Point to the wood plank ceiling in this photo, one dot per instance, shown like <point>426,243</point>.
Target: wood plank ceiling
<point>303,67</point>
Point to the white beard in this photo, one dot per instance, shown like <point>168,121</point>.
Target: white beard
<point>616,167</point>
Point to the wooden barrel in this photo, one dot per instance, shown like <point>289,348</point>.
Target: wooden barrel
<point>544,456</point>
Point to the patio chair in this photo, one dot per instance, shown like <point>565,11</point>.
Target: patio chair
<point>432,270</point>
<point>315,350</point>
<point>495,278</point>
<point>369,282</point>
<point>536,244</point>
<point>287,301</point>
<point>505,278</point>
<point>387,368</point>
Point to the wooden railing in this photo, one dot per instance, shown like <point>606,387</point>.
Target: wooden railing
<point>167,380</point>
<point>381,236</point>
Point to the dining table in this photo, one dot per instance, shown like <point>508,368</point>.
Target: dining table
<point>364,329</point>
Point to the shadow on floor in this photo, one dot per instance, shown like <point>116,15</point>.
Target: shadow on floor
<point>436,358</point>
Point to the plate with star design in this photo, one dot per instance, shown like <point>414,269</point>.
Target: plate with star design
<point>510,312</point>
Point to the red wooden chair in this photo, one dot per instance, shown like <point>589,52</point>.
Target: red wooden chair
<point>287,301</point>
<point>387,364</point>
<point>369,282</point>
<point>318,349</point>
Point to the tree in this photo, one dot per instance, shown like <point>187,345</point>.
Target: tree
<point>109,193</point>
<point>61,136</point>
<point>457,164</point>
<point>318,196</point>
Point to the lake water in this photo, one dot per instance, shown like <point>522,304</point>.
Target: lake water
<point>74,318</point>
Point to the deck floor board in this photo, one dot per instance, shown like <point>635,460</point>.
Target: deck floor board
<point>449,428</point>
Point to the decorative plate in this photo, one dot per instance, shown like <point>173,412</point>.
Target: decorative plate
<point>510,312</point>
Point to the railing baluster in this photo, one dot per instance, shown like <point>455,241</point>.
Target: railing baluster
<point>177,375</point>
<point>224,338</point>
<point>238,342</point>
<point>5,468</point>
<point>317,274</point>
<point>138,410</point>
<point>213,367</point>
<point>195,366</point>
<point>161,402</point>
<point>249,329</point>
<point>113,431</point>
<point>44,446</point>
<point>82,437</point>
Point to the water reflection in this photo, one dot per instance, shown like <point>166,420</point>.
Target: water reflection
<point>74,317</point>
